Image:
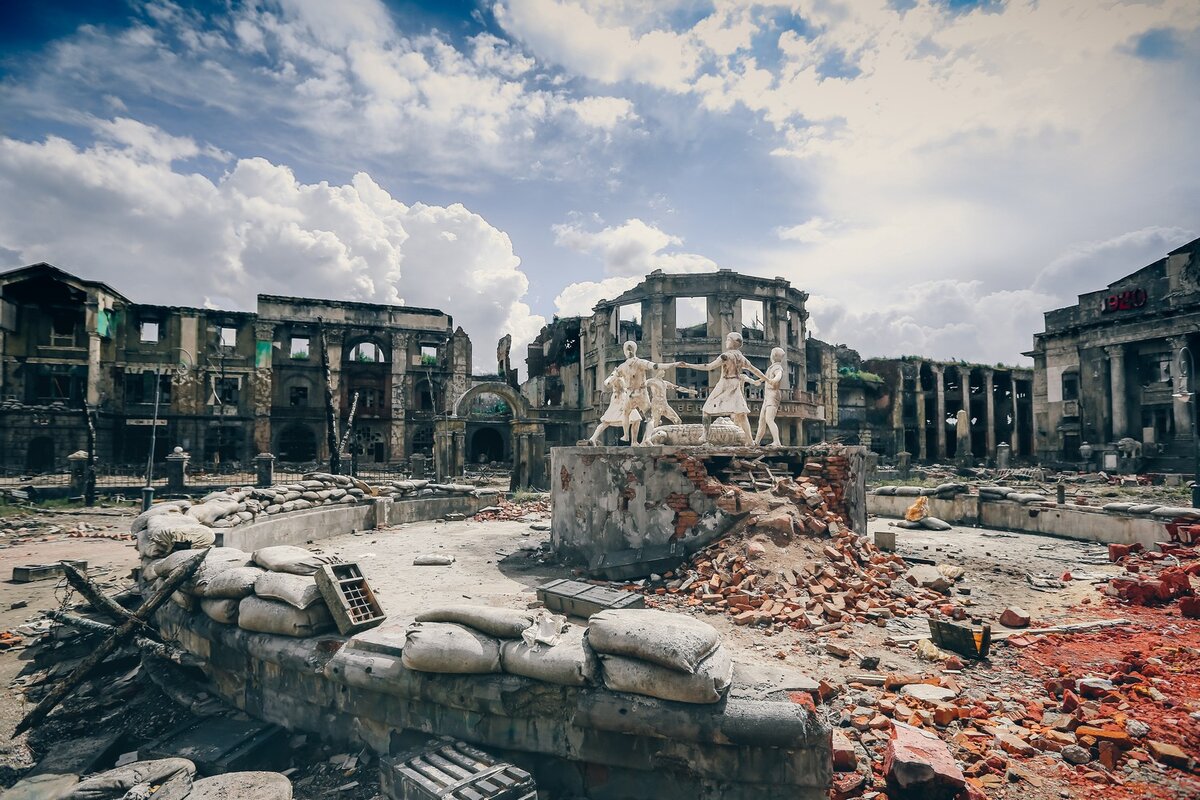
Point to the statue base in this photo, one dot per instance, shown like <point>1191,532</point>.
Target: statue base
<point>611,499</point>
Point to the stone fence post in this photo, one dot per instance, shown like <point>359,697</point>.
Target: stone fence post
<point>177,471</point>
<point>1003,455</point>
<point>78,466</point>
<point>264,464</point>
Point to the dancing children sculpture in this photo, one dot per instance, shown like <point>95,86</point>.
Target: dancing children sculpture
<point>634,372</point>
<point>657,385</point>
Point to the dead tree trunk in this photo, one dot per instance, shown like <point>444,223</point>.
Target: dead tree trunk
<point>331,432</point>
<point>89,475</point>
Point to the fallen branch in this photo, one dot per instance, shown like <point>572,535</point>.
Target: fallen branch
<point>110,645</point>
<point>97,599</point>
<point>148,646</point>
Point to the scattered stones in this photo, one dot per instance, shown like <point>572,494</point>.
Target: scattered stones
<point>1015,617</point>
<point>1074,754</point>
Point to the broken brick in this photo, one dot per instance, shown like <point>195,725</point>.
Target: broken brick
<point>919,765</point>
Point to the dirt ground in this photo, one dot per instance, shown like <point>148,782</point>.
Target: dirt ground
<point>502,563</point>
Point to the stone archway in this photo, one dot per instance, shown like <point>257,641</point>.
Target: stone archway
<point>528,438</point>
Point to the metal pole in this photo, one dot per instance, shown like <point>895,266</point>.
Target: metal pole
<point>1195,432</point>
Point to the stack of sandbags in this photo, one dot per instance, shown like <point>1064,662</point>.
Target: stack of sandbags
<point>482,639</point>
<point>224,578</point>
<point>284,597</point>
<point>660,654</point>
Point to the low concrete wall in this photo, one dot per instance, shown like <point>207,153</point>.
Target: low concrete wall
<point>576,742</point>
<point>300,527</point>
<point>1068,522</point>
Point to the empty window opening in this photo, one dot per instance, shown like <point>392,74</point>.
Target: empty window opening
<point>298,396</point>
<point>629,322</point>
<point>429,355</point>
<point>753,319</point>
<point>299,347</point>
<point>228,337</point>
<point>149,332</point>
<point>691,317</point>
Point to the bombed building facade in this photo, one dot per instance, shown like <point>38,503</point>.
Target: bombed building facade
<point>223,385</point>
<point>909,404</point>
<point>1116,365</point>
<point>673,317</point>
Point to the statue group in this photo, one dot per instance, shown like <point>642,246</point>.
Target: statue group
<point>639,389</point>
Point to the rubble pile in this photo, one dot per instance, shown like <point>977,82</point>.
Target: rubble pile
<point>1156,578</point>
<point>510,511</point>
<point>794,562</point>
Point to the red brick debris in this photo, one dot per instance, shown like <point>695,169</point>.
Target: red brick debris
<point>509,511</point>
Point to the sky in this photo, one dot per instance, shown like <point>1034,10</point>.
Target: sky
<point>936,174</point>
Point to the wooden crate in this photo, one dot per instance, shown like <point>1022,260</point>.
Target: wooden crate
<point>449,770</point>
<point>349,597</point>
<point>580,599</point>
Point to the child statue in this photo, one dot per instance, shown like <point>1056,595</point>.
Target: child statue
<point>614,415</point>
<point>771,397</point>
<point>727,397</point>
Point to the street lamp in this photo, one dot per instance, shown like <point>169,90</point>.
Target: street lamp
<point>181,369</point>
<point>1185,393</point>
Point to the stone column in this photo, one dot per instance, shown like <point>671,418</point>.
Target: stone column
<point>264,373</point>
<point>1116,389</point>
<point>1182,409</point>
<point>922,445</point>
<point>939,377</point>
<point>398,433</point>
<point>264,469</point>
<point>990,413</point>
<point>1016,430</point>
<point>652,328</point>
<point>177,471</point>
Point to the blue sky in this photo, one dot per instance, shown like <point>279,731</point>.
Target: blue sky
<point>935,174</point>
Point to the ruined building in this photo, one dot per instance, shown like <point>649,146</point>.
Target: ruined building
<point>1116,366</point>
<point>909,404</point>
<point>228,385</point>
<point>673,318</point>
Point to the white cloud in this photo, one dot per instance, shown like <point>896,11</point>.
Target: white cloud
<point>813,231</point>
<point>568,34</point>
<point>633,248</point>
<point>578,299</point>
<point>604,113</point>
<point>111,214</point>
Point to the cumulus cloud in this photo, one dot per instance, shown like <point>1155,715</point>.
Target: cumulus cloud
<point>628,252</point>
<point>341,74</point>
<point>159,234</point>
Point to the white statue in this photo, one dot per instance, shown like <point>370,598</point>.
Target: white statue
<point>634,372</point>
<point>657,385</point>
<point>771,397</point>
<point>728,397</point>
<point>614,415</point>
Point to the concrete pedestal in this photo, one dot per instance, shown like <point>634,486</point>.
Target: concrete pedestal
<point>608,499</point>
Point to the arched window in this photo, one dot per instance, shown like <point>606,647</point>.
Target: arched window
<point>365,353</point>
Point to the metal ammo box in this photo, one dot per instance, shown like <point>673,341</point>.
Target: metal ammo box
<point>449,770</point>
<point>580,599</point>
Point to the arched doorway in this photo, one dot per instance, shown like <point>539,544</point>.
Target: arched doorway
<point>297,443</point>
<point>40,455</point>
<point>487,445</point>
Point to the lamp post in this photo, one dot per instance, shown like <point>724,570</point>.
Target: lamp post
<point>181,368</point>
<point>1185,393</point>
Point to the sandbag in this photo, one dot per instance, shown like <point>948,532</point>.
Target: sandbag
<point>886,491</point>
<point>1175,512</point>
<point>242,786</point>
<point>660,637</point>
<point>169,507</point>
<point>709,682</point>
<point>908,526</point>
<point>908,491</point>
<point>935,524</point>
<point>174,561</point>
<point>1117,506</point>
<point>165,531</point>
<point>1143,508</point>
<point>218,561</point>
<point>289,558</point>
<point>150,569</point>
<point>209,512</point>
<point>506,623</point>
<point>449,648</point>
<point>569,663</point>
<point>221,609</point>
<point>298,591</point>
<point>234,583</point>
<point>184,601</point>
<point>271,616</point>
<point>116,782</point>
